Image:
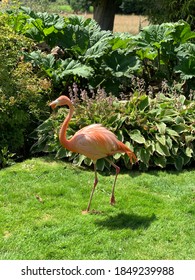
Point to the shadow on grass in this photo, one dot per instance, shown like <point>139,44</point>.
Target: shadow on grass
<point>125,221</point>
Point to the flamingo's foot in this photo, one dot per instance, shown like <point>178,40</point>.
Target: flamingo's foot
<point>112,200</point>
<point>85,212</point>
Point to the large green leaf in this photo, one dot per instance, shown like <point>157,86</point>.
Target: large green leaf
<point>147,53</point>
<point>189,139</point>
<point>179,161</point>
<point>100,164</point>
<point>181,32</point>
<point>179,128</point>
<point>79,159</point>
<point>136,136</point>
<point>172,132</point>
<point>161,127</point>
<point>144,102</point>
<point>72,67</point>
<point>121,42</point>
<point>42,26</point>
<point>63,153</point>
<point>75,38</point>
<point>161,139</point>
<point>186,56</point>
<point>162,149</point>
<point>97,50</point>
<point>48,19</point>
<point>144,155</point>
<point>120,64</point>
<point>189,152</point>
<point>153,35</point>
<point>46,62</point>
<point>169,142</point>
<point>160,161</point>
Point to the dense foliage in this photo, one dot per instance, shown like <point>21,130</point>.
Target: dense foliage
<point>165,10</point>
<point>79,5</point>
<point>21,96</point>
<point>160,130</point>
<point>157,11</point>
<point>76,50</point>
<point>153,71</point>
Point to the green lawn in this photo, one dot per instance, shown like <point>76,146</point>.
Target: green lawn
<point>40,213</point>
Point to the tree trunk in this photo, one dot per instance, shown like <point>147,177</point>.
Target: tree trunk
<point>104,13</point>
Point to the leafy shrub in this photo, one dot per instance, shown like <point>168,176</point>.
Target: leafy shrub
<point>6,157</point>
<point>76,50</point>
<point>22,96</point>
<point>132,7</point>
<point>165,10</point>
<point>79,5</point>
<point>160,130</point>
<point>159,48</point>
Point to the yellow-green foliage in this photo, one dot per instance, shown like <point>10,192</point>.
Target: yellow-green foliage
<point>23,94</point>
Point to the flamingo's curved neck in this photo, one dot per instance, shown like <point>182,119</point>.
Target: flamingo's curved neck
<point>62,134</point>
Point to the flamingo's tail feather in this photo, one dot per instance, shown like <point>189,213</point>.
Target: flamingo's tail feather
<point>126,150</point>
<point>131,156</point>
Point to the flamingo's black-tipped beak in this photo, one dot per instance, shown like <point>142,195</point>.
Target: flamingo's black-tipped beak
<point>54,104</point>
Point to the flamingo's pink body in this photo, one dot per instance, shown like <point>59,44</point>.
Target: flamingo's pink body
<point>93,141</point>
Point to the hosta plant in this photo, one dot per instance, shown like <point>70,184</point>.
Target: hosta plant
<point>160,130</point>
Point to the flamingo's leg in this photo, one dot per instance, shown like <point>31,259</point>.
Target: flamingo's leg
<point>93,189</point>
<point>112,199</point>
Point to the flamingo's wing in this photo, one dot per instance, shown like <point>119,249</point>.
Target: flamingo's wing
<point>95,141</point>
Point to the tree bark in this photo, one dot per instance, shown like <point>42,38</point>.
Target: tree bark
<point>104,13</point>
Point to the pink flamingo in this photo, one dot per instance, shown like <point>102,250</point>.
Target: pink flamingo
<point>94,141</point>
